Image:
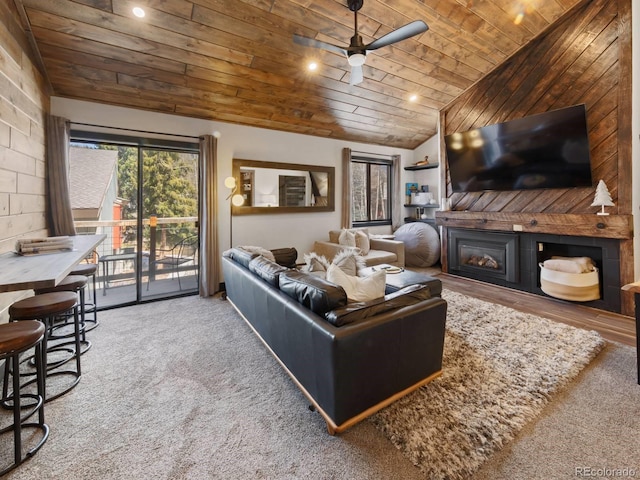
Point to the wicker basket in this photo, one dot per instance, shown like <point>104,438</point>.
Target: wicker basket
<point>577,287</point>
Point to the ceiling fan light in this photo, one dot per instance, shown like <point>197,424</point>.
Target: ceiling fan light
<point>357,59</point>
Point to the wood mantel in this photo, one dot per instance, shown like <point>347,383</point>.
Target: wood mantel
<point>581,225</point>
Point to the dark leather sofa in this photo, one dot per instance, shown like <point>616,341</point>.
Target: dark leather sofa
<point>350,360</point>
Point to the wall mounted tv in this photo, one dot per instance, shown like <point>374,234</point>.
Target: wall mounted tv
<point>547,150</point>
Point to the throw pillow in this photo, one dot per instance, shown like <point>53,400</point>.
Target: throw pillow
<point>285,256</point>
<point>349,261</point>
<point>315,263</point>
<point>347,238</point>
<point>362,242</point>
<point>358,289</point>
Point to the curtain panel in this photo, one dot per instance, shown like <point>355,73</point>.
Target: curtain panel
<point>397,204</point>
<point>59,214</point>
<point>346,188</point>
<point>209,248</point>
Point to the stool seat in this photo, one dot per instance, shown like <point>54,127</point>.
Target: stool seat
<point>16,338</point>
<point>71,283</point>
<point>46,307</point>
<point>86,269</point>
<point>19,336</point>
<point>41,306</point>
<point>89,270</point>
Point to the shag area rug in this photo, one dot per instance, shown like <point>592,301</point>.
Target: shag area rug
<point>500,368</point>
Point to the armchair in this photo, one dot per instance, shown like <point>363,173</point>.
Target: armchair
<point>183,252</point>
<point>381,250</point>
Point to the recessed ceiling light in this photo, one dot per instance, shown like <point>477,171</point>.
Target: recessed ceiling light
<point>413,97</point>
<point>312,66</point>
<point>138,12</point>
<point>519,18</point>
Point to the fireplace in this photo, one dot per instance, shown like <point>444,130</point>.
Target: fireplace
<point>484,254</point>
<point>511,259</point>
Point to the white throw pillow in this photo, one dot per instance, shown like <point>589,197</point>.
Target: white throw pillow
<point>362,242</point>
<point>347,238</point>
<point>358,289</point>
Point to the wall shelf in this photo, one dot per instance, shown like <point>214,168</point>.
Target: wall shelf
<point>430,221</point>
<point>429,205</point>
<point>422,167</point>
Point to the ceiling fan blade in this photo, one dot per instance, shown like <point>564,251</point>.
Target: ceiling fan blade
<point>399,34</point>
<point>310,42</point>
<point>356,76</point>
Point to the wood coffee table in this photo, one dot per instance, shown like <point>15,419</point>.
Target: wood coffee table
<point>404,278</point>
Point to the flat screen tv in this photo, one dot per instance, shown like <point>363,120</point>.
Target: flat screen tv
<point>547,150</point>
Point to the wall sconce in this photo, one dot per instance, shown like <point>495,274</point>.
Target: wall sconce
<point>236,199</point>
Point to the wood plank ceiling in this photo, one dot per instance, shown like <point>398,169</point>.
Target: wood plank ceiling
<point>235,61</point>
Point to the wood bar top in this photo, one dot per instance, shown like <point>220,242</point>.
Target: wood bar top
<point>632,287</point>
<point>18,272</point>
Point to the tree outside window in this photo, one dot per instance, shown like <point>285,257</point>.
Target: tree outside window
<point>371,191</point>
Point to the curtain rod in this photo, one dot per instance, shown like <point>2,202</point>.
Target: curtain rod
<point>375,154</point>
<point>132,130</point>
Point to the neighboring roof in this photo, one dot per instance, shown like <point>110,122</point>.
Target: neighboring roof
<point>90,173</point>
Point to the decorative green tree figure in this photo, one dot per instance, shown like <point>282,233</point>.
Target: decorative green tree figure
<point>602,198</point>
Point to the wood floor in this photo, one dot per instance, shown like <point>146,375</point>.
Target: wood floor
<point>612,326</point>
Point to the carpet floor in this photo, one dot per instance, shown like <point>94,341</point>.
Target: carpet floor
<point>182,389</point>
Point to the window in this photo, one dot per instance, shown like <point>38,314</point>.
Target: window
<point>371,191</point>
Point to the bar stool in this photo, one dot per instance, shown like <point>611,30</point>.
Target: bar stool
<point>89,270</point>
<point>46,307</point>
<point>15,339</point>
<point>76,284</point>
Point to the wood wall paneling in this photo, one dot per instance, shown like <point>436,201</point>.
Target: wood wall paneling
<point>584,58</point>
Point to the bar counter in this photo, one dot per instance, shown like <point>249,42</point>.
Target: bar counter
<point>25,272</point>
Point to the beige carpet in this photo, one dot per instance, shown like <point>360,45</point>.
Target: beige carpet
<point>182,389</point>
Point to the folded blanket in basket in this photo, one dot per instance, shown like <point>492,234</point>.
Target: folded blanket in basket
<point>570,264</point>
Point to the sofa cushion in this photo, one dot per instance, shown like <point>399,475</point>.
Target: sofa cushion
<point>239,255</point>
<point>360,310</point>
<point>376,257</point>
<point>315,293</point>
<point>358,289</point>
<point>267,270</point>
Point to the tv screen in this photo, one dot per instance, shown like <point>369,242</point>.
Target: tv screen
<point>547,150</point>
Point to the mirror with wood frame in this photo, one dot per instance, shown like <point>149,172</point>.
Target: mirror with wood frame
<point>275,187</point>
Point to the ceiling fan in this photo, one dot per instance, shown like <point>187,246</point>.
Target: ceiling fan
<point>356,52</point>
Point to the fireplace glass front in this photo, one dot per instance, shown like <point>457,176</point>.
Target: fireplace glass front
<point>484,254</point>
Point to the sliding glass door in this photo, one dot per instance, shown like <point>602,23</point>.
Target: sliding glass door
<point>144,196</point>
<point>169,200</point>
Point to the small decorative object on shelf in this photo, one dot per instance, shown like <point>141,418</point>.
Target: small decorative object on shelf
<point>411,189</point>
<point>602,198</point>
<point>423,162</point>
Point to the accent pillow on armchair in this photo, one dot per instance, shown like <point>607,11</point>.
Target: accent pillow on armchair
<point>375,251</point>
